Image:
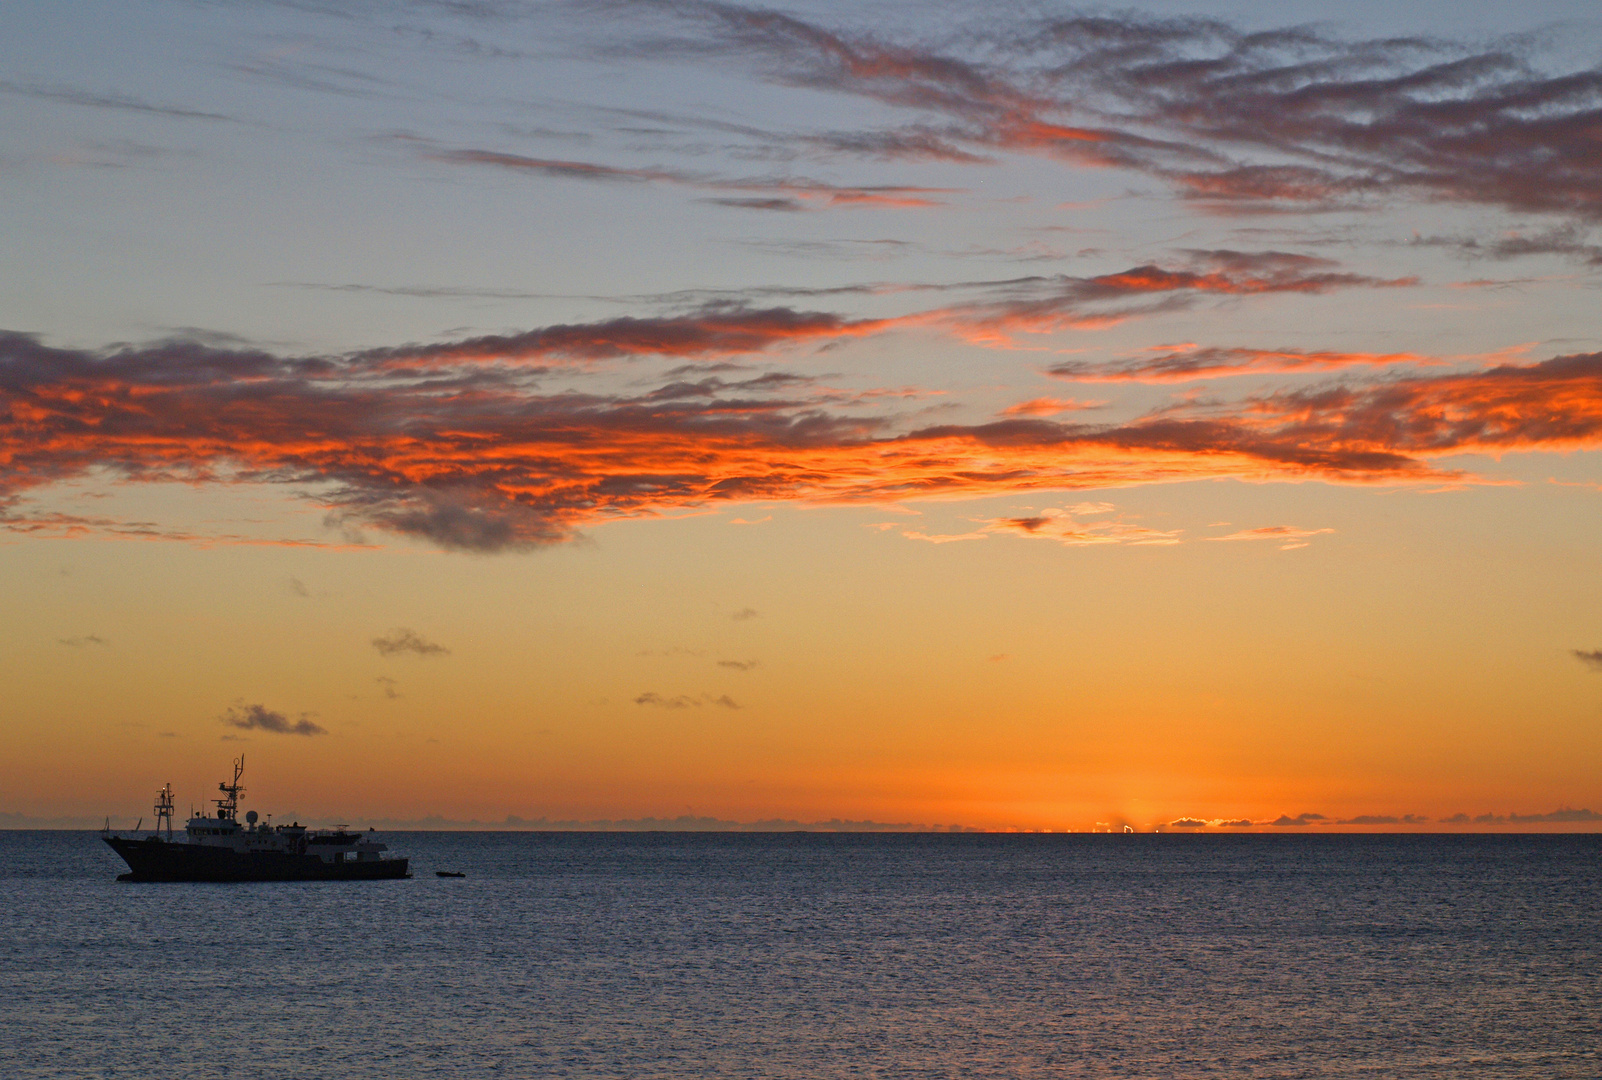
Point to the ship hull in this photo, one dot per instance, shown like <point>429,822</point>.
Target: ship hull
<point>162,860</point>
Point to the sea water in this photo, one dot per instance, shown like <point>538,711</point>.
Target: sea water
<point>819,955</point>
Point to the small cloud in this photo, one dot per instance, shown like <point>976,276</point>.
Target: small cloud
<point>1455,819</point>
<point>1060,525</point>
<point>1237,823</point>
<point>402,640</point>
<point>1045,406</point>
<point>757,521</point>
<point>998,657</point>
<point>1299,819</point>
<point>297,587</point>
<point>1384,819</point>
<point>169,735</point>
<point>389,686</point>
<point>745,613</point>
<point>1289,536</point>
<point>684,701</point>
<point>80,642</point>
<point>1187,823</point>
<point>1563,815</point>
<point>941,538</point>
<point>738,665</point>
<point>1591,659</point>
<point>261,718</point>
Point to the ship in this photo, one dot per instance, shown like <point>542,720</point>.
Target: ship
<point>219,847</point>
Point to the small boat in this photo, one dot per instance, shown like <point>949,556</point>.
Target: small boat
<point>449,873</point>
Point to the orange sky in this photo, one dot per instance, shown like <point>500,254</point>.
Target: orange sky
<point>963,435</point>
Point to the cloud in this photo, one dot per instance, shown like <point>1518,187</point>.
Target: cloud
<point>1042,305</point>
<point>401,640</point>
<point>86,639</point>
<point>749,193</point>
<point>1591,659</point>
<point>738,665</point>
<point>1045,406</point>
<point>122,102</point>
<point>298,587</point>
<point>1234,120</point>
<point>1563,816</point>
<point>260,718</point>
<point>745,613</point>
<point>1567,240</point>
<point>1189,363</point>
<point>1061,526</point>
<point>1299,819</point>
<point>1289,537</point>
<point>469,453</point>
<point>1187,823</point>
<point>684,701</point>
<point>1384,819</point>
<point>388,685</point>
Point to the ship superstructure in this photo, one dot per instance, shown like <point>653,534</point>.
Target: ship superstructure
<point>217,847</point>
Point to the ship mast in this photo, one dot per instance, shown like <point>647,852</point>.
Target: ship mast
<point>164,808</point>
<point>228,809</point>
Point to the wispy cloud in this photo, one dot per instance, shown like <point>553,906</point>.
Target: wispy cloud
<point>261,718</point>
<point>1288,537</point>
<point>1591,658</point>
<point>106,100</point>
<point>402,641</point>
<point>1239,121</point>
<point>684,701</point>
<point>746,193</point>
<point>1182,363</point>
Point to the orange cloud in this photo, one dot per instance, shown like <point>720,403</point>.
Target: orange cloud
<point>1045,406</point>
<point>486,462</point>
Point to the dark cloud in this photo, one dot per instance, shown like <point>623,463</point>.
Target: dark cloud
<point>1239,823</point>
<point>1299,819</point>
<point>1236,120</point>
<point>744,614</point>
<point>1187,823</point>
<point>738,665</point>
<point>1184,364</point>
<point>80,642</point>
<point>1568,240</point>
<point>1384,819</point>
<point>1558,817</point>
<point>402,640</point>
<point>1590,658</point>
<point>260,718</point>
<point>684,701</point>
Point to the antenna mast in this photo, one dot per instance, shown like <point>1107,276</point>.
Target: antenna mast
<point>228,809</point>
<point>164,808</point>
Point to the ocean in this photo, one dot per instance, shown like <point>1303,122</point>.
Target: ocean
<point>669,955</point>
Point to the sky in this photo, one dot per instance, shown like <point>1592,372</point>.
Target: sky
<point>918,415</point>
